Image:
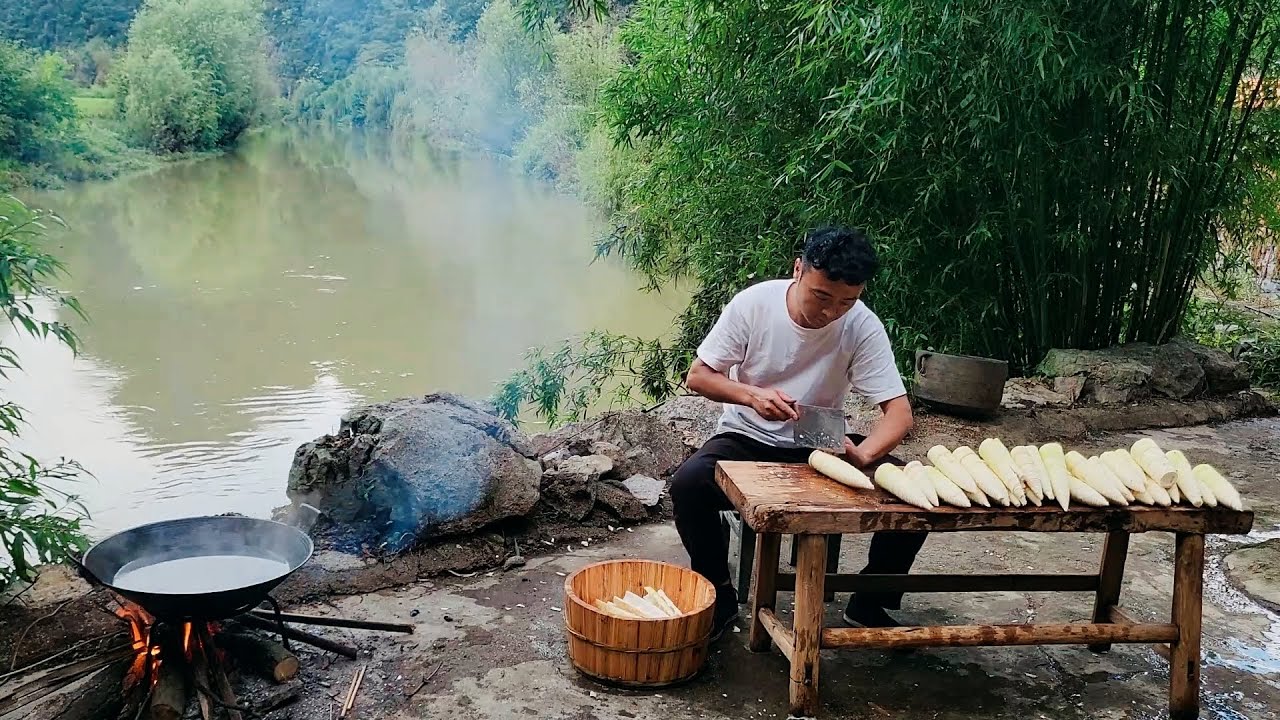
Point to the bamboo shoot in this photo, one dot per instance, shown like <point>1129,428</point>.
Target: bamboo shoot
<point>1223,491</point>
<point>1084,494</point>
<point>1158,494</point>
<point>1122,465</point>
<point>997,457</point>
<point>1154,463</point>
<point>1096,478</point>
<point>1059,479</point>
<point>947,490</point>
<point>894,481</point>
<point>1032,470</point>
<point>990,485</point>
<point>916,473</point>
<point>1186,483</point>
<point>947,463</point>
<point>839,470</point>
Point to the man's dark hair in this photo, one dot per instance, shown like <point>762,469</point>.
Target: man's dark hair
<point>844,254</point>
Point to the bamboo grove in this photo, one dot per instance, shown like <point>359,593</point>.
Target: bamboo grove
<point>1036,173</point>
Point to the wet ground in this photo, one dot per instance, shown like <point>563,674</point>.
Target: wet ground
<point>492,645</point>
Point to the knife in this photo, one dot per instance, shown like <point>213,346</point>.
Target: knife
<point>819,427</point>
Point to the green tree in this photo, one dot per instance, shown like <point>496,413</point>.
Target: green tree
<point>36,112</point>
<point>1036,173</point>
<point>211,58</point>
<point>38,519</point>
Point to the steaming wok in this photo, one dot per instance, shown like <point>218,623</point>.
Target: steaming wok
<point>199,568</point>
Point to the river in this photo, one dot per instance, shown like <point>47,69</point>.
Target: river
<point>239,305</point>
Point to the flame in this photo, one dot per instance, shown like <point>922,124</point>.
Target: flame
<point>186,639</point>
<point>140,622</point>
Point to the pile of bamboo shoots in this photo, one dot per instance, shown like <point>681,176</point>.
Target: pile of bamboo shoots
<point>996,476</point>
<point>653,605</point>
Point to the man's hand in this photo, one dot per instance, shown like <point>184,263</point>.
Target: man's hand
<point>855,455</point>
<point>772,404</point>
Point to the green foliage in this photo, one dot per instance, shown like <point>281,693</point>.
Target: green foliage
<point>36,112</point>
<point>195,74</point>
<point>568,382</point>
<point>1035,174</point>
<point>50,24</point>
<point>38,520</point>
<point>1244,334</point>
<point>324,40</point>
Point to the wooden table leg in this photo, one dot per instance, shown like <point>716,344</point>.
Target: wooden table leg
<point>764,586</point>
<point>1184,654</point>
<point>1110,575</point>
<point>811,575</point>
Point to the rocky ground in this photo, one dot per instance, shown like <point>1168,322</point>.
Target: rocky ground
<point>493,645</point>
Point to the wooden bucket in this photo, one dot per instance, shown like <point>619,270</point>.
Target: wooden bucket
<point>638,653</point>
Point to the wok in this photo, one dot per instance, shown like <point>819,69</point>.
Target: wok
<point>198,568</point>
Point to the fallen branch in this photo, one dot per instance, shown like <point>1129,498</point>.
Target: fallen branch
<point>19,693</point>
<point>426,680</point>
<point>28,668</point>
<point>350,700</point>
<point>334,621</point>
<point>301,636</point>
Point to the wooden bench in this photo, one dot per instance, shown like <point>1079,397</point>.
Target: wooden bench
<point>784,499</point>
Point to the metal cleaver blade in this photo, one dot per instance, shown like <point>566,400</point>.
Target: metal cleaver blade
<point>819,427</point>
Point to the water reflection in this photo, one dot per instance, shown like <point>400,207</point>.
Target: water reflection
<point>239,306</point>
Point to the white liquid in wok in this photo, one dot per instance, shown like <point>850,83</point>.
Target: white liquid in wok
<point>206,574</point>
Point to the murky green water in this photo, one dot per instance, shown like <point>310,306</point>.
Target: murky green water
<point>240,305</point>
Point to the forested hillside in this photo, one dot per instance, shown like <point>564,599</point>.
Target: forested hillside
<point>49,24</point>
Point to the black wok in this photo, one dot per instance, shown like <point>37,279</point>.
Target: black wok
<point>266,551</point>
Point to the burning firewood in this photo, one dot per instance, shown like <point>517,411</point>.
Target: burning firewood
<point>169,696</point>
<point>264,657</point>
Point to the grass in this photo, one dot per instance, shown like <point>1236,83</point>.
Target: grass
<point>92,107</point>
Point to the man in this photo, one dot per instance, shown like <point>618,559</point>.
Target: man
<point>781,342</point>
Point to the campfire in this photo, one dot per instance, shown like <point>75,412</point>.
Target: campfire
<point>172,665</point>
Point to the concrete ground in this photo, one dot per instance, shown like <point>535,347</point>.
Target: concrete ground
<point>493,645</point>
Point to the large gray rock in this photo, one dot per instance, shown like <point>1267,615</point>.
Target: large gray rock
<point>1177,370</point>
<point>619,501</point>
<point>569,488</point>
<point>639,443</point>
<point>1256,570</point>
<point>403,471</point>
<point>1223,374</point>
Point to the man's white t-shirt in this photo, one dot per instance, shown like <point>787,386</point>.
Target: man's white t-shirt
<point>756,342</point>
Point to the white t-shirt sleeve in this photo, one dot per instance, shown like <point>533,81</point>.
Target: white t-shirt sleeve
<point>726,344</point>
<point>873,372</point>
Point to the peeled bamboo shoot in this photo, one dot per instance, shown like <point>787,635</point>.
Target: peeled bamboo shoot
<point>1084,494</point>
<point>1059,479</point>
<point>1154,463</point>
<point>1031,468</point>
<point>839,470</point>
<point>942,459</point>
<point>1093,475</point>
<point>1174,495</point>
<point>1223,491</point>
<point>1159,495</point>
<point>1187,484</point>
<point>1210,500</point>
<point>997,457</point>
<point>988,483</point>
<point>948,491</point>
<point>916,473</point>
<point>896,482</point>
<point>1121,464</point>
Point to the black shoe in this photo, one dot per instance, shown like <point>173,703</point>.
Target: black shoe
<point>868,616</point>
<point>726,613</point>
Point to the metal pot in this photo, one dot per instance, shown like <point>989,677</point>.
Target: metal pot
<point>962,385</point>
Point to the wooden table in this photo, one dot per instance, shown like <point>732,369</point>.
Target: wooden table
<point>784,499</point>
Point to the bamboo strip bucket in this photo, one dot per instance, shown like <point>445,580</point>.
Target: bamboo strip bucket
<point>638,653</point>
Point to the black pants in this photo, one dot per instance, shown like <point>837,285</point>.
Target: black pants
<point>698,501</point>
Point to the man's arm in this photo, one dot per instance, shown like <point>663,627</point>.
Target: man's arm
<point>769,403</point>
<point>886,435</point>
